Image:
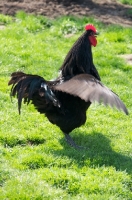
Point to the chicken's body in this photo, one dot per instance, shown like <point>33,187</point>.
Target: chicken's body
<point>72,113</point>
<point>65,100</point>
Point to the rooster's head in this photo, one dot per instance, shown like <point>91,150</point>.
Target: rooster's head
<point>92,34</point>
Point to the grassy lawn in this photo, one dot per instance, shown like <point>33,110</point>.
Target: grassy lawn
<point>36,162</point>
<point>129,2</point>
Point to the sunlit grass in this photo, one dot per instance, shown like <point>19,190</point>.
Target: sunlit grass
<point>129,2</point>
<point>36,162</point>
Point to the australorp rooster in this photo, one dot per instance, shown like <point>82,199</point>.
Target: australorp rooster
<point>65,100</point>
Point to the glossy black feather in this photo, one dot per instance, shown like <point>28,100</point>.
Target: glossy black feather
<point>29,87</point>
<point>79,59</point>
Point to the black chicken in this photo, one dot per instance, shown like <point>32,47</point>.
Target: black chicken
<point>65,100</point>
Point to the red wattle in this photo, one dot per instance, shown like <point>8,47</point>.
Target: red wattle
<point>93,40</point>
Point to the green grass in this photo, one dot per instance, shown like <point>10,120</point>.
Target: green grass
<point>128,13</point>
<point>36,162</point>
<point>129,2</point>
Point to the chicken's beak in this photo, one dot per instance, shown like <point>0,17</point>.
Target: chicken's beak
<point>96,34</point>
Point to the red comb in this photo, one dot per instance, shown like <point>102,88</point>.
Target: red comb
<point>90,27</point>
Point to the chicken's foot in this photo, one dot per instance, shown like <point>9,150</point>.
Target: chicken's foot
<point>70,141</point>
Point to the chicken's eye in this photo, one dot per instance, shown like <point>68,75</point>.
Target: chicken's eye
<point>92,33</point>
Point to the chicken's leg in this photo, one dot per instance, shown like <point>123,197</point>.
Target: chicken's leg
<point>71,142</point>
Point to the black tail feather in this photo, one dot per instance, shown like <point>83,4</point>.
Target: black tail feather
<point>28,87</point>
<point>24,86</point>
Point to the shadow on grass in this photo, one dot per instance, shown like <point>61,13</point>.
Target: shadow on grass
<point>99,153</point>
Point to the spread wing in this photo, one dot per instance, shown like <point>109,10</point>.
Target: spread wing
<point>90,89</point>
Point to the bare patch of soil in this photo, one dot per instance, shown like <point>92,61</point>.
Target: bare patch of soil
<point>128,58</point>
<point>106,11</point>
